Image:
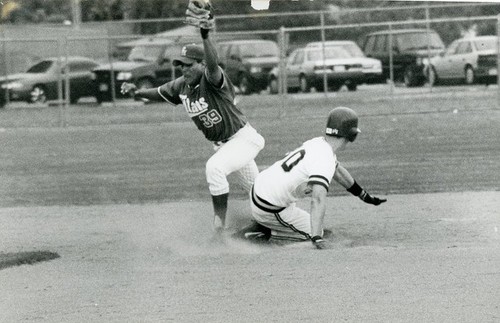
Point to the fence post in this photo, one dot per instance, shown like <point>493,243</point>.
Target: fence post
<point>60,102</point>
<point>5,66</point>
<point>428,28</point>
<point>282,82</point>
<point>66,83</point>
<point>391,67</point>
<point>111,74</point>
<point>498,61</point>
<point>323,53</point>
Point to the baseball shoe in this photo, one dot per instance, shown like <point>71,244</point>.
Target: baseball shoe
<point>254,232</point>
<point>218,237</point>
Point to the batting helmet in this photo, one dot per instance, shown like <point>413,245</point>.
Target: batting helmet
<point>342,122</point>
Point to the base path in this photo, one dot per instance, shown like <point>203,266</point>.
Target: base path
<point>416,258</point>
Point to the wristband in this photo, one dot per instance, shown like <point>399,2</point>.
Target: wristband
<point>355,189</point>
<point>204,33</point>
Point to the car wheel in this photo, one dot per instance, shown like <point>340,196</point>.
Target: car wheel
<point>274,86</point>
<point>73,99</point>
<point>244,85</point>
<point>432,77</point>
<point>38,94</point>
<point>469,75</point>
<point>145,84</point>
<point>304,85</point>
<point>352,86</point>
<point>336,87</point>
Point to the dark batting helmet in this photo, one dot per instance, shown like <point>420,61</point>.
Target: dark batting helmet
<point>342,122</point>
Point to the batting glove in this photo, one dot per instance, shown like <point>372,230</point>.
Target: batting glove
<point>319,243</point>
<point>356,190</point>
<point>367,198</point>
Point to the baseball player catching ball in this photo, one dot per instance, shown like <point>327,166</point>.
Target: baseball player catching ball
<point>208,96</point>
<point>306,171</point>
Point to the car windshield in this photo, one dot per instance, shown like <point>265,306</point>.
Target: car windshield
<point>412,41</point>
<point>41,67</point>
<point>259,50</point>
<point>486,44</point>
<point>145,53</point>
<point>330,52</point>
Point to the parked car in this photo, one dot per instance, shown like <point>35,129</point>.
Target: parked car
<point>248,62</point>
<point>149,64</point>
<point>41,81</point>
<point>468,60</point>
<point>305,68</point>
<point>409,49</point>
<point>372,67</point>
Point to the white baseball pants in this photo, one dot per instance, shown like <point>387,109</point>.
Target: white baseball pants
<point>291,223</point>
<point>235,156</point>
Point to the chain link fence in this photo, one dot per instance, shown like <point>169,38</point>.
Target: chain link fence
<point>108,49</point>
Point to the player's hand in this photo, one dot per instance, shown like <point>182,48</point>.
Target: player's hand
<point>367,198</point>
<point>199,14</point>
<point>128,88</point>
<point>319,242</point>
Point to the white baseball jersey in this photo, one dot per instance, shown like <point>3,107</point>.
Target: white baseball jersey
<point>287,180</point>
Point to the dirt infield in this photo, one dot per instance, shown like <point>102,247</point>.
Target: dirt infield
<point>417,258</point>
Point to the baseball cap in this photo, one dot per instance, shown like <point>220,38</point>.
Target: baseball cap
<point>189,54</point>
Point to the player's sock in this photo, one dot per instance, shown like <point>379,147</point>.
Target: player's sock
<point>220,209</point>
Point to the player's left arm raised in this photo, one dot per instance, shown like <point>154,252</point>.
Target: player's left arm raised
<point>199,14</point>
<point>344,178</point>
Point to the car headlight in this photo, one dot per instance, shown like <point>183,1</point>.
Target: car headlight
<point>124,76</point>
<point>12,85</point>
<point>255,69</point>
<point>419,61</point>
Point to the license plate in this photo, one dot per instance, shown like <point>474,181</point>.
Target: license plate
<point>339,68</point>
<point>103,87</point>
<point>492,71</point>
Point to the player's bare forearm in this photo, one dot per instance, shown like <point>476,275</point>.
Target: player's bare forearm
<point>343,177</point>
<point>318,209</point>
<point>132,90</point>
<point>150,94</point>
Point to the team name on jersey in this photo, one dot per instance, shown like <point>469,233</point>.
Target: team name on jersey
<point>194,108</point>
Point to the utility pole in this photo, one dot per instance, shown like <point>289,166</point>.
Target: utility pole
<point>76,9</point>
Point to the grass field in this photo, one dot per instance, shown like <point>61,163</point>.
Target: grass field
<point>119,198</point>
<point>410,143</point>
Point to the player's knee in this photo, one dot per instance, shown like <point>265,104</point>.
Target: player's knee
<point>213,168</point>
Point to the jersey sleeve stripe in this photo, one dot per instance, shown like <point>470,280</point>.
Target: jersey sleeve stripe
<point>319,180</point>
<point>164,97</point>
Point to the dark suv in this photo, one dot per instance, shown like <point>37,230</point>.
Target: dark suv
<point>149,64</point>
<point>248,62</point>
<point>410,49</point>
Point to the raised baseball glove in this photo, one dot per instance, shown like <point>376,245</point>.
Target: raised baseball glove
<point>199,14</point>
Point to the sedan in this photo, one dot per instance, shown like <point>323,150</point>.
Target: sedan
<point>372,67</point>
<point>307,67</point>
<point>467,60</point>
<point>40,82</point>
